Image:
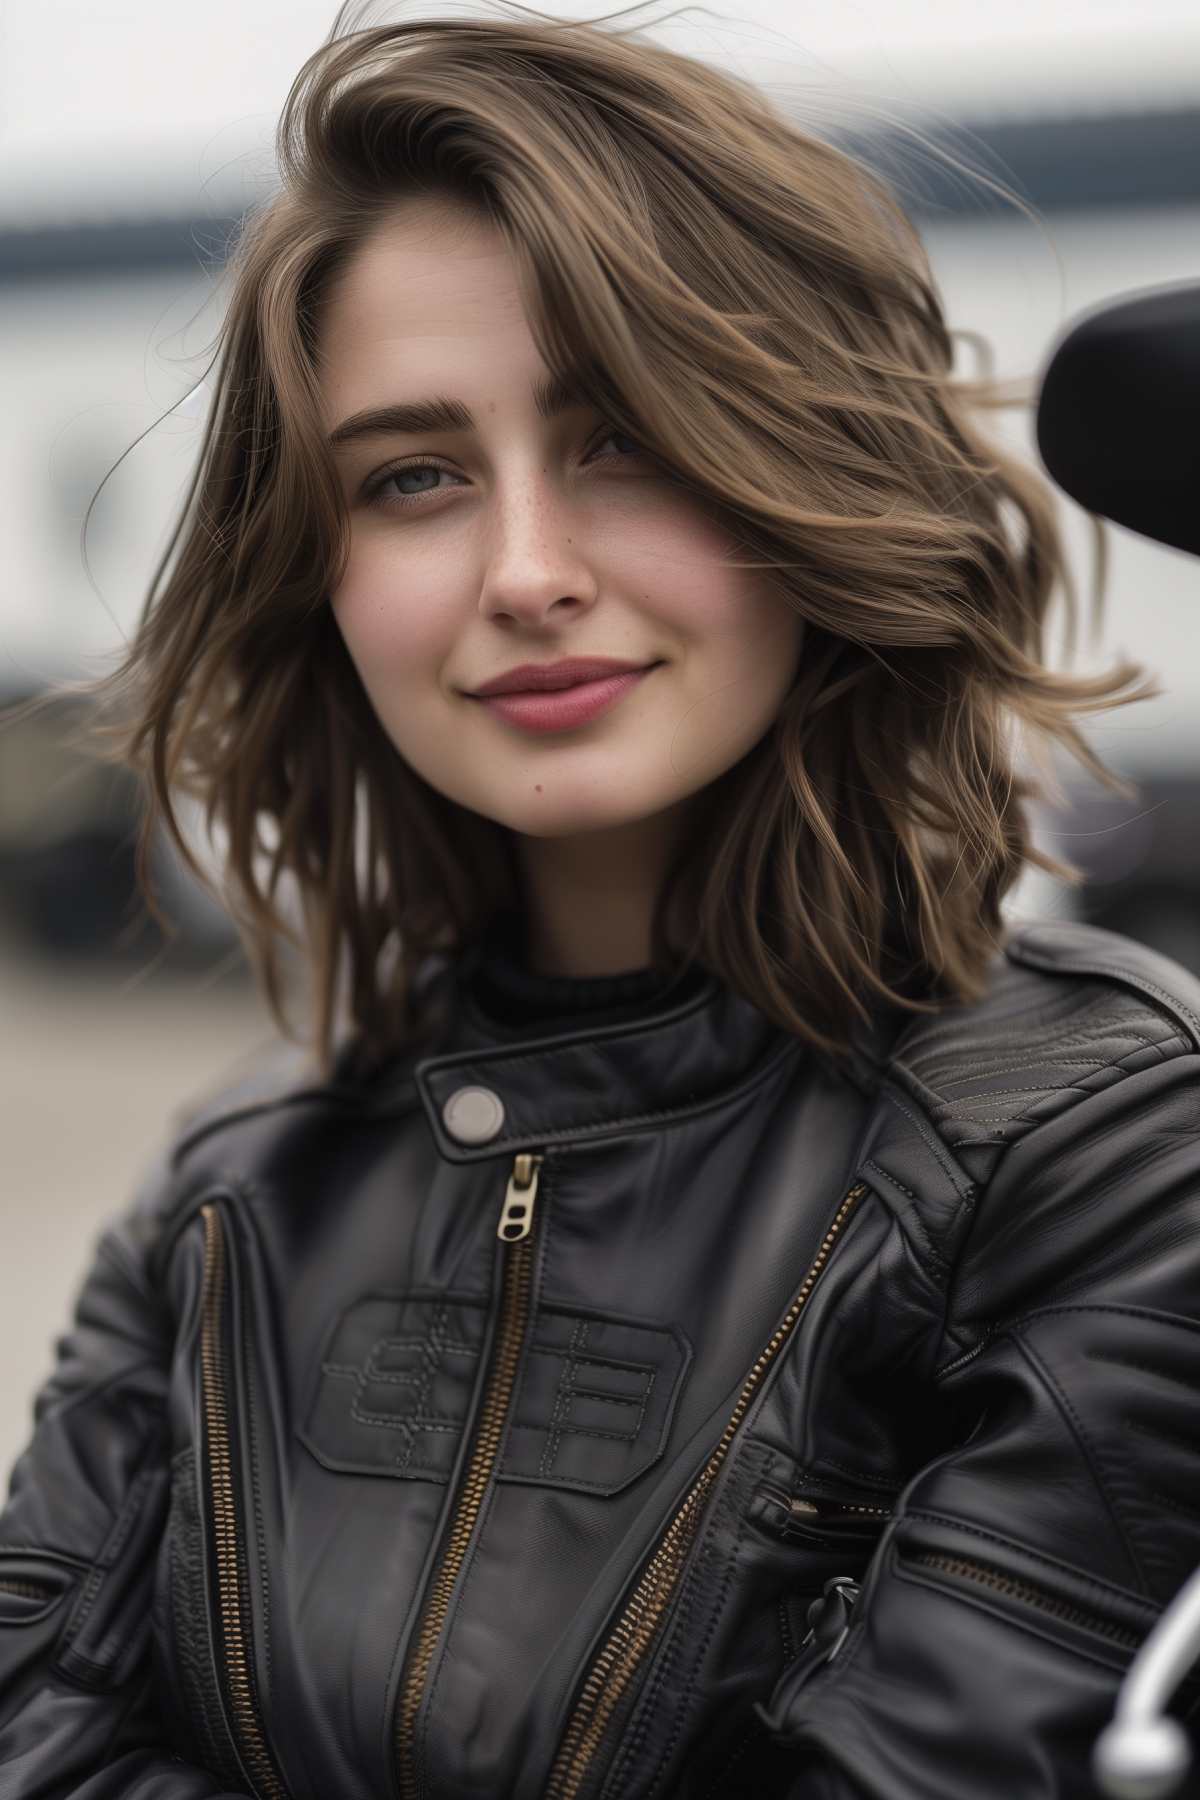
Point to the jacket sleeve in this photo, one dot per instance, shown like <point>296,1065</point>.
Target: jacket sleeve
<point>1023,1567</point>
<point>79,1537</point>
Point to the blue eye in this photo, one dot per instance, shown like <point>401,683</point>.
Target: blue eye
<point>373,492</point>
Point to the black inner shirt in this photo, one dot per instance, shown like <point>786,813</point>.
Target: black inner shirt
<point>512,996</point>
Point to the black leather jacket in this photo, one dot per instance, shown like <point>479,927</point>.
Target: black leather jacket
<point>494,1427</point>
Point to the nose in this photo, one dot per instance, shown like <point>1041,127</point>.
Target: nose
<point>537,562</point>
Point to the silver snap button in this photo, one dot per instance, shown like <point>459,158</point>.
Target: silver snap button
<point>473,1115</point>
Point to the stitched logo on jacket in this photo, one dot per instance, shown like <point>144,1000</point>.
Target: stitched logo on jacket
<point>592,1408</point>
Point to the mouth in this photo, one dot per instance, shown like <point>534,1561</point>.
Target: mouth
<point>555,678</point>
<point>564,709</point>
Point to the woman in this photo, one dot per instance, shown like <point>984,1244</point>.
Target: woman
<point>718,1316</point>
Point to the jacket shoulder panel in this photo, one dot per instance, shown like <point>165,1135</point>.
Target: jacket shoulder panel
<point>1064,947</point>
<point>263,1077</point>
<point>280,1080</point>
<point>1071,1009</point>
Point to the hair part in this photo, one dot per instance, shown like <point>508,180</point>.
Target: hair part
<point>752,304</point>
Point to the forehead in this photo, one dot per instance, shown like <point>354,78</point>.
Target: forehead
<point>428,270</point>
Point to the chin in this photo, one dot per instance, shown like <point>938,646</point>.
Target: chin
<point>564,819</point>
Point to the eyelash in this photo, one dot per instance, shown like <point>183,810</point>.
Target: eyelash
<point>372,492</point>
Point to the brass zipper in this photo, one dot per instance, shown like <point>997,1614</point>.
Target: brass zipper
<point>799,1505</point>
<point>28,1590</point>
<point>635,1630</point>
<point>1025,1591</point>
<point>817,1506</point>
<point>515,1229</point>
<point>251,1741</point>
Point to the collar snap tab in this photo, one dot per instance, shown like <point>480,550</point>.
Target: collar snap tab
<point>473,1115</point>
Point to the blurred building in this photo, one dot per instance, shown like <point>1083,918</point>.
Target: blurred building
<point>108,309</point>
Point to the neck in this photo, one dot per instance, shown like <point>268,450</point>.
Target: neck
<point>588,902</point>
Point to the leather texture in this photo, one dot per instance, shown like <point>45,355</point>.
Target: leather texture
<point>974,1397</point>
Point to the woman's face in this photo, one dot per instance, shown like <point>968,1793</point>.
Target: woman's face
<point>526,539</point>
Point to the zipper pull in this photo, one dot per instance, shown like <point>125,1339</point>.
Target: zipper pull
<point>516,1218</point>
<point>829,1617</point>
<point>784,1503</point>
<point>800,1516</point>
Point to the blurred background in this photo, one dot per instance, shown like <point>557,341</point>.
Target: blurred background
<point>132,139</point>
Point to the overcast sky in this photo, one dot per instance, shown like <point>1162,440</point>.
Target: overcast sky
<point>171,95</point>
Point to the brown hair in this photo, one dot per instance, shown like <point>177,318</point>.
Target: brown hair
<point>752,304</point>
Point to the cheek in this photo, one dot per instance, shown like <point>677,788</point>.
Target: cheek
<point>687,567</point>
<point>383,628</point>
<point>739,618</point>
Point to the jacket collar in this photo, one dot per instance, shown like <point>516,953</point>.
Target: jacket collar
<point>698,1047</point>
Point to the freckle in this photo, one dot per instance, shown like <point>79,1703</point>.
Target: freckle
<point>537,787</point>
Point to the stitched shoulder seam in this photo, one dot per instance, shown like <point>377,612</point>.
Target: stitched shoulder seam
<point>1116,974</point>
<point>195,1133</point>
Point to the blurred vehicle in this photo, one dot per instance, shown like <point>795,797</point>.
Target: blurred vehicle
<point>1141,860</point>
<point>69,826</point>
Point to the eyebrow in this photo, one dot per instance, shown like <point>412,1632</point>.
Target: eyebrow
<point>551,396</point>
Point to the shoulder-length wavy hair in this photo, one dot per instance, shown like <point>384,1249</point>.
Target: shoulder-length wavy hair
<point>754,306</point>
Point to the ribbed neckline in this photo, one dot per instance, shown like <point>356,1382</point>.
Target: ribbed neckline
<point>509,993</point>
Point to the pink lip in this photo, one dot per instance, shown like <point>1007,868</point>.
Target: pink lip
<point>560,709</point>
